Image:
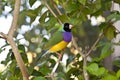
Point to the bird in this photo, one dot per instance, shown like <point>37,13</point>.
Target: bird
<point>59,40</point>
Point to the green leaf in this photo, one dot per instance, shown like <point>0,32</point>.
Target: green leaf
<point>118,74</point>
<point>96,59</point>
<point>92,68</point>
<point>38,10</point>
<point>36,73</point>
<point>22,51</point>
<point>106,50</point>
<point>22,18</point>
<point>32,14</point>
<point>105,4</point>
<point>110,77</point>
<point>117,1</point>
<point>102,71</point>
<point>61,76</point>
<point>116,63</point>
<point>51,22</point>
<point>80,77</point>
<point>44,70</point>
<point>69,6</point>
<point>13,78</point>
<point>95,70</point>
<point>114,17</point>
<point>39,78</point>
<point>21,48</point>
<point>110,32</point>
<point>82,1</point>
<point>31,2</point>
<point>75,20</point>
<point>73,71</point>
<point>64,18</point>
<point>43,17</point>
<point>102,26</point>
<point>2,49</point>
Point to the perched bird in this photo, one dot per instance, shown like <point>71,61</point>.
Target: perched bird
<point>59,40</point>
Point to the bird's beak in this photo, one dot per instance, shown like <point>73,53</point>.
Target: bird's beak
<point>71,26</point>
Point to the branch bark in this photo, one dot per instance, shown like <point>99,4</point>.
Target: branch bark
<point>93,46</point>
<point>57,64</point>
<point>85,74</point>
<point>55,6</point>
<point>9,38</point>
<point>76,46</point>
<point>52,12</point>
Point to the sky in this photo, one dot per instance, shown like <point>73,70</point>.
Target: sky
<point>4,27</point>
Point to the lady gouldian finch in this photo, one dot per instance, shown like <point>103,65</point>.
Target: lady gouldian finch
<point>60,39</point>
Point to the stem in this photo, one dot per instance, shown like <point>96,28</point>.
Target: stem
<point>18,59</point>
<point>85,74</point>
<point>57,64</point>
<point>55,6</point>
<point>76,46</point>
<point>93,46</point>
<point>49,8</point>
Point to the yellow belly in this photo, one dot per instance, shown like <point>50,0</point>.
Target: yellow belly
<point>61,45</point>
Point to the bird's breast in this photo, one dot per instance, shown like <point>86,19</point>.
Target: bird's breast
<point>67,36</point>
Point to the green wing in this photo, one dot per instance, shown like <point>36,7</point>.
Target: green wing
<point>56,38</point>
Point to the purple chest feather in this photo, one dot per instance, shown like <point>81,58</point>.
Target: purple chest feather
<point>67,36</point>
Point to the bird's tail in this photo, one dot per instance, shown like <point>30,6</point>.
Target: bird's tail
<point>43,53</point>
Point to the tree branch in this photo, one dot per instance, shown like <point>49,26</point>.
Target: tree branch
<point>18,58</point>
<point>55,6</point>
<point>76,46</point>
<point>52,12</point>
<point>4,36</point>
<point>57,64</point>
<point>93,46</point>
<point>15,18</point>
<point>9,37</point>
<point>85,74</point>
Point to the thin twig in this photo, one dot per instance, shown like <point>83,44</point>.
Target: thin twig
<point>85,74</point>
<point>93,46</point>
<point>55,6</point>
<point>3,36</point>
<point>52,12</point>
<point>57,64</point>
<point>76,46</point>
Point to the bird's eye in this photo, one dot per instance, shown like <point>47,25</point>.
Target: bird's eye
<point>66,26</point>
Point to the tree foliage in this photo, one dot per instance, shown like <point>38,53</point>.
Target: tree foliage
<point>35,23</point>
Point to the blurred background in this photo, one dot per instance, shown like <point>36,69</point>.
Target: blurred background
<point>39,19</point>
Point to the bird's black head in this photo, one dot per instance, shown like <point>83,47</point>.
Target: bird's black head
<point>67,27</point>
